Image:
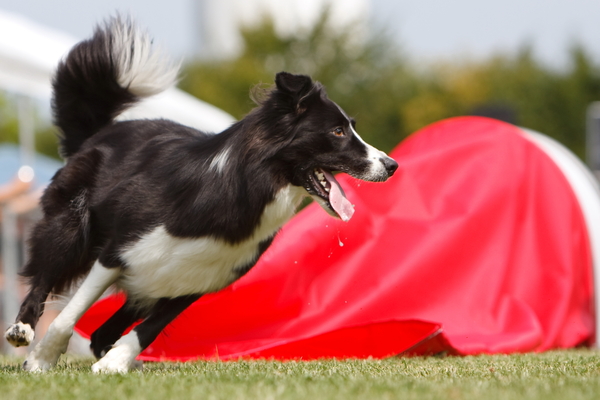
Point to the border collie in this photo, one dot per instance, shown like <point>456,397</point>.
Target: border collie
<point>163,211</point>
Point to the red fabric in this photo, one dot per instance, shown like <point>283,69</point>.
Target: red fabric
<point>478,233</point>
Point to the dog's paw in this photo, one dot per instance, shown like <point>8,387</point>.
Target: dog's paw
<point>35,363</point>
<point>115,364</point>
<point>19,334</point>
<point>119,360</point>
<point>46,353</point>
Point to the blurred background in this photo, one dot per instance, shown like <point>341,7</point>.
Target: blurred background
<point>394,65</point>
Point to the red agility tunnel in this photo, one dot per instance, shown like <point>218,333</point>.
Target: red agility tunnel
<point>478,244</point>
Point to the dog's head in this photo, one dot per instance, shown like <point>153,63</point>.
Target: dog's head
<point>315,138</point>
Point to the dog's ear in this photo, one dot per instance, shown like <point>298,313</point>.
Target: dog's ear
<point>293,84</point>
<point>297,87</point>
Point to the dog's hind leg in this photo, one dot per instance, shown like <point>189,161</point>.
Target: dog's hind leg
<point>105,336</point>
<point>59,254</point>
<point>121,356</point>
<point>57,248</point>
<point>48,350</point>
<point>61,244</point>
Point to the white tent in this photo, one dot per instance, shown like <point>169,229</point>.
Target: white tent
<point>30,52</point>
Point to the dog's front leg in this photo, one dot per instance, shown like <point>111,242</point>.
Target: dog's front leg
<point>121,356</point>
<point>46,353</point>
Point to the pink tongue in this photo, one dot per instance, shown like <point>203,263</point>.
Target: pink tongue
<point>338,199</point>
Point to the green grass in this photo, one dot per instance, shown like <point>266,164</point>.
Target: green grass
<point>561,375</point>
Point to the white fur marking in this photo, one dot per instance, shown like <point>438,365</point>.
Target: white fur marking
<point>141,70</point>
<point>19,334</point>
<point>375,157</point>
<point>220,160</point>
<point>121,357</point>
<point>161,265</point>
<point>48,350</point>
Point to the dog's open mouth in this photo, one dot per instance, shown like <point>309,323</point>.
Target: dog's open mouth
<point>330,194</point>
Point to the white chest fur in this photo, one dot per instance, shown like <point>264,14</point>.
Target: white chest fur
<point>160,265</point>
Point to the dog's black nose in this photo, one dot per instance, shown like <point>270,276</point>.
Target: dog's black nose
<point>390,165</point>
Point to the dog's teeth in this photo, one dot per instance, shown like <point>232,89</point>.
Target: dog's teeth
<point>322,181</point>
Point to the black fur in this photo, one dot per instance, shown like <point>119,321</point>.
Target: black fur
<point>123,179</point>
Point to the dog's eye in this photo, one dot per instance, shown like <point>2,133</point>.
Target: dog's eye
<point>339,131</point>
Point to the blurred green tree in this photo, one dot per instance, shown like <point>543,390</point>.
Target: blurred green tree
<point>369,79</point>
<point>391,97</point>
<point>46,139</point>
<point>9,126</point>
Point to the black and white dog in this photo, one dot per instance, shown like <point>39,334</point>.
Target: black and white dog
<point>166,212</point>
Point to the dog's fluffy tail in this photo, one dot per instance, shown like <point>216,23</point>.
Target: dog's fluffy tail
<point>103,76</point>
